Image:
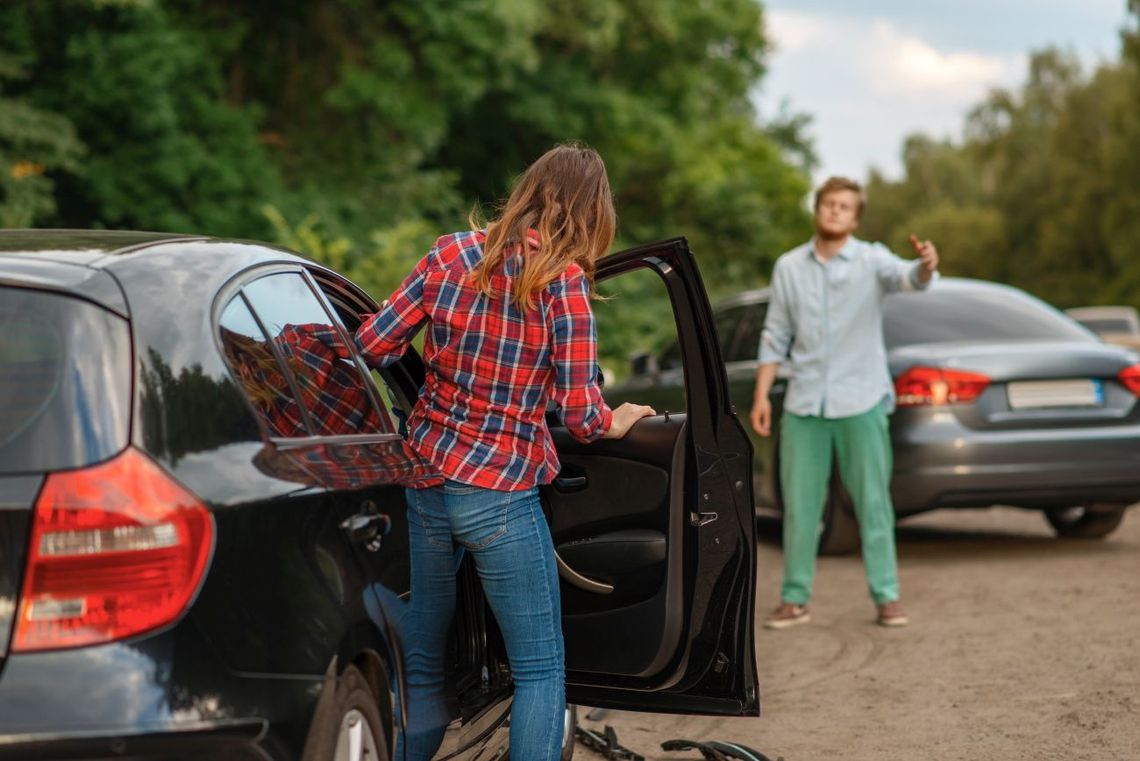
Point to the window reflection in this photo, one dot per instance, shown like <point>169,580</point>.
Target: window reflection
<point>260,374</point>
<point>318,371</point>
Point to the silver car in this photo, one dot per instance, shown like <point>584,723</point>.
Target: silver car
<point>1114,324</point>
<point>1002,400</point>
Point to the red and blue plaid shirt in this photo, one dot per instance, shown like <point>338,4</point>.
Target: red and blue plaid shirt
<point>491,367</point>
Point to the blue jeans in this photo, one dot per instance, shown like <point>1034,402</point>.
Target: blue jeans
<point>507,536</point>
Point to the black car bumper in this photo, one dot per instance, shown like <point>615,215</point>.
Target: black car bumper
<point>136,700</point>
<point>236,741</point>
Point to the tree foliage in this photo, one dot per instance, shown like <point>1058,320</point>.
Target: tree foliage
<point>358,130</point>
<point>163,149</point>
<point>33,142</point>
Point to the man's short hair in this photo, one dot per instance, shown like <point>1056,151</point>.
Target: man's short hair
<point>841,183</point>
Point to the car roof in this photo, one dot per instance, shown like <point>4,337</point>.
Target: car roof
<point>81,262</point>
<point>754,296</point>
<point>763,295</point>
<point>80,247</point>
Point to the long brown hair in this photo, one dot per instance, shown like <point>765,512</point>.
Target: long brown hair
<point>565,196</point>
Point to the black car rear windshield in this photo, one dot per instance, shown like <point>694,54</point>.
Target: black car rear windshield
<point>1109,324</point>
<point>65,371</point>
<point>974,312</point>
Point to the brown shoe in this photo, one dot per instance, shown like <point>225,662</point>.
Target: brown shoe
<point>788,614</point>
<point>892,614</point>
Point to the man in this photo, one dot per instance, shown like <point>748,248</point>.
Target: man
<point>826,308</point>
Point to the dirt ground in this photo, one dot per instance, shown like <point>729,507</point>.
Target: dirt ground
<point>1021,646</point>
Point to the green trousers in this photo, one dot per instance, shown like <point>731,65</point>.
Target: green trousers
<point>862,447</point>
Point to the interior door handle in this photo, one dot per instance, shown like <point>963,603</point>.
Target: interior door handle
<point>567,484</point>
<point>575,579</point>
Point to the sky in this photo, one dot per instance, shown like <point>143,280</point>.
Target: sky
<point>871,73</point>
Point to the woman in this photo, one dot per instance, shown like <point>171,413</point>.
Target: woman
<point>509,329</point>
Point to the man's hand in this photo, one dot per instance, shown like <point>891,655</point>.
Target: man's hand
<point>762,415</point>
<point>624,418</point>
<point>927,254</point>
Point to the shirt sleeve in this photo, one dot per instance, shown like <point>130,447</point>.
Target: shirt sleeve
<point>384,337</point>
<point>776,338</point>
<point>895,273</point>
<point>574,352</point>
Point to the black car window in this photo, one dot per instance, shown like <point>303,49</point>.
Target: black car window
<point>347,308</point>
<point>1108,324</point>
<point>317,359</point>
<point>976,312</point>
<point>728,324</point>
<point>670,359</point>
<point>259,372</point>
<point>747,344</point>
<point>65,382</point>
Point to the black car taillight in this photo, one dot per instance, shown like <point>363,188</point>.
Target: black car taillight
<point>1130,377</point>
<point>922,386</point>
<point>117,549</point>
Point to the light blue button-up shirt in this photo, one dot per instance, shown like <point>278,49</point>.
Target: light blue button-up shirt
<point>830,316</point>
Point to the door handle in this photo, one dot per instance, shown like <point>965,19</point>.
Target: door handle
<point>367,529</point>
<point>575,579</point>
<point>568,484</point>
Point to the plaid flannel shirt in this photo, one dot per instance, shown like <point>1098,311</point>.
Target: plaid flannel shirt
<point>492,368</point>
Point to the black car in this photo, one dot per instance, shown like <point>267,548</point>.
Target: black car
<point>1002,400</point>
<point>195,565</point>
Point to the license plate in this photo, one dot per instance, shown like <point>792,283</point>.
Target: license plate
<point>1027,395</point>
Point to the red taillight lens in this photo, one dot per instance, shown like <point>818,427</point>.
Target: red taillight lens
<point>1130,377</point>
<point>116,550</point>
<point>921,386</point>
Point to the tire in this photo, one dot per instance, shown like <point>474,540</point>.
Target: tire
<point>1094,521</point>
<point>568,726</point>
<point>839,530</point>
<point>348,727</point>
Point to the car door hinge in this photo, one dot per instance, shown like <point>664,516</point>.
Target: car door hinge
<point>700,519</point>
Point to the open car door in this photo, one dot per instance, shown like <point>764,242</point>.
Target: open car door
<point>655,532</point>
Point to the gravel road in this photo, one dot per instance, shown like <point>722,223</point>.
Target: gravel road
<point>1021,646</point>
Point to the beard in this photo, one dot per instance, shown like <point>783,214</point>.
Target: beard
<point>829,236</point>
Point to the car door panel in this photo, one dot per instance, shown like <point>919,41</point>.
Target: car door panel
<point>614,531</point>
<point>665,518</point>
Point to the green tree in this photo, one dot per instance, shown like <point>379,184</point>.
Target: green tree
<point>163,149</point>
<point>33,144</point>
<point>1043,191</point>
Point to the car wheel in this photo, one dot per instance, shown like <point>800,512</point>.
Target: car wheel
<point>569,724</point>
<point>839,530</point>
<point>348,728</point>
<point>1091,522</point>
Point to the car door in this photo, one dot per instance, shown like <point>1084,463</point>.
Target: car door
<point>654,532</point>
<point>664,517</point>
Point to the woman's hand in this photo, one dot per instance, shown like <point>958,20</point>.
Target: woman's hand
<point>624,418</point>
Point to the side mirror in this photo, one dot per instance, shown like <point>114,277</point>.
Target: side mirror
<point>643,364</point>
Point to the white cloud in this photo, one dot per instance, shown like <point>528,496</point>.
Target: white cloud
<point>868,85</point>
<point>900,63</point>
<point>792,31</point>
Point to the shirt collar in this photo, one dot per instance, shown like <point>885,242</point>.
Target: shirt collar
<point>846,253</point>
